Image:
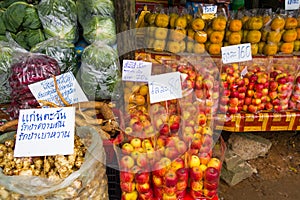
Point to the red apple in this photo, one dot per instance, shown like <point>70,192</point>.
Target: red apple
<point>224,100</point>
<point>209,193</point>
<point>177,164</point>
<point>252,108</point>
<point>142,160</point>
<point>196,173</point>
<point>182,174</point>
<point>171,152</point>
<point>137,126</point>
<point>211,174</point>
<point>233,109</point>
<point>174,127</point>
<point>158,192</point>
<point>126,176</point>
<point>181,185</point>
<point>196,194</point>
<point>169,191</point>
<point>127,186</point>
<point>146,196</point>
<point>171,196</point>
<point>180,194</point>
<point>233,102</point>
<point>258,94</point>
<point>196,143</point>
<point>211,186</point>
<point>164,129</point>
<point>171,178</point>
<point>142,177</point>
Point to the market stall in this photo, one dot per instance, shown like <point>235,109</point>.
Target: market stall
<point>138,92</point>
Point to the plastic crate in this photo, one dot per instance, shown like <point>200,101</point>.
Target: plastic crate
<point>113,176</point>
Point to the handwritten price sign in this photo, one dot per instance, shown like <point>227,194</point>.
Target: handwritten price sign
<point>236,53</point>
<point>292,4</point>
<point>45,132</point>
<point>137,71</point>
<point>210,9</point>
<point>165,87</point>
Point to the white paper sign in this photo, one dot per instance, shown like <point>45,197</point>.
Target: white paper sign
<point>45,132</point>
<point>137,71</point>
<point>165,87</point>
<point>210,9</point>
<point>236,53</point>
<point>67,85</point>
<point>292,4</point>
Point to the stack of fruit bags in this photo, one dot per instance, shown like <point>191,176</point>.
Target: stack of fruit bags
<point>294,102</point>
<point>169,149</point>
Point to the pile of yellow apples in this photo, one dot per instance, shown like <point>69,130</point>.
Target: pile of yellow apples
<point>177,32</point>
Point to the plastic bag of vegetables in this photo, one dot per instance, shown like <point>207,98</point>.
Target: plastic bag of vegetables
<point>28,68</point>
<point>6,54</point>
<point>63,51</point>
<point>40,177</point>
<point>59,19</point>
<point>97,20</point>
<point>22,21</point>
<point>100,71</point>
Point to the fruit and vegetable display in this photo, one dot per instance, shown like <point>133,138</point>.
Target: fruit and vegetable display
<point>168,149</point>
<point>177,30</point>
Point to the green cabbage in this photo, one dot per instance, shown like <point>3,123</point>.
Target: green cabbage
<point>2,24</point>
<point>59,19</point>
<point>88,8</point>
<point>21,16</point>
<point>29,38</point>
<point>100,28</point>
<point>5,60</point>
<point>99,71</point>
<point>63,51</point>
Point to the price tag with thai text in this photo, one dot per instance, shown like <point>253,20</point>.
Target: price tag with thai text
<point>236,53</point>
<point>137,71</point>
<point>165,87</point>
<point>292,4</point>
<point>210,9</point>
<point>45,132</point>
<point>67,85</point>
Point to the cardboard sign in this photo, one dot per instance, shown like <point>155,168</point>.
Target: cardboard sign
<point>67,85</point>
<point>292,4</point>
<point>45,132</point>
<point>236,53</point>
<point>137,71</point>
<point>165,87</point>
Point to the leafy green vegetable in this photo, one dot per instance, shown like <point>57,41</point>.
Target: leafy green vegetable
<point>5,61</point>
<point>61,50</point>
<point>6,3</point>
<point>20,15</point>
<point>59,19</point>
<point>3,38</point>
<point>88,8</point>
<point>99,71</point>
<point>29,38</point>
<point>100,28</point>
<point>2,25</point>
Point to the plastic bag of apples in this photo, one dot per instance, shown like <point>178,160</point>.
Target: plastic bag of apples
<point>168,149</point>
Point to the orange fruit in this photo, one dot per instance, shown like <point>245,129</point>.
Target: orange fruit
<point>289,35</point>
<point>214,49</point>
<point>266,19</point>
<point>144,90</point>
<point>198,24</point>
<point>159,45</point>
<point>255,23</point>
<point>177,34</point>
<point>200,36</point>
<point>277,23</point>
<point>290,23</point>
<point>162,20</point>
<point>190,34</point>
<point>235,25</point>
<point>274,36</point>
<point>254,36</point>
<point>287,47</point>
<point>234,38</point>
<point>270,49</point>
<point>199,48</point>
<point>216,37</point>
<point>139,99</point>
<point>298,33</point>
<point>173,46</point>
<point>254,49</point>
<point>161,33</point>
<point>219,23</point>
<point>181,22</point>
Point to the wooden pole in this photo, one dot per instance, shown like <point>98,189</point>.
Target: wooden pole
<point>125,22</point>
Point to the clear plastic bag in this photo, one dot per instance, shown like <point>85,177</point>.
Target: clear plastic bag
<point>88,182</point>
<point>5,61</point>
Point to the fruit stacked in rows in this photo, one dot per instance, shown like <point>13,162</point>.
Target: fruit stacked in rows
<point>282,77</point>
<point>216,35</point>
<point>234,33</point>
<point>294,102</point>
<point>196,36</point>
